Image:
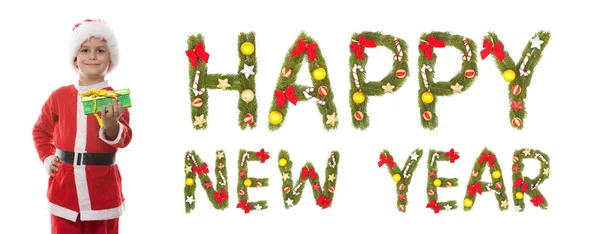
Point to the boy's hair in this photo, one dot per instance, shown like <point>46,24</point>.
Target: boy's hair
<point>93,28</point>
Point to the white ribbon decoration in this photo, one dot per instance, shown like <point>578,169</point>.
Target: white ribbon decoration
<point>433,157</point>
<point>522,67</point>
<point>467,56</point>
<point>540,157</point>
<point>533,187</point>
<point>224,182</point>
<point>332,163</point>
<point>311,98</point>
<point>400,54</point>
<point>489,188</point>
<point>246,155</point>
<point>355,75</point>
<point>295,192</point>
<point>425,68</point>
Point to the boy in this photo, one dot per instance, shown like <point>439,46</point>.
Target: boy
<point>84,187</point>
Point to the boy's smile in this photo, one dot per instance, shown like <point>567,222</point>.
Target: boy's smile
<point>93,61</point>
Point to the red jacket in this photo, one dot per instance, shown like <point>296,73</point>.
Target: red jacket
<point>93,192</point>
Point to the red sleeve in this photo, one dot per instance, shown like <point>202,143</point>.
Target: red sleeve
<point>126,130</point>
<point>44,128</point>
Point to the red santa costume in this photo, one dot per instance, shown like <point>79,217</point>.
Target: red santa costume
<point>87,185</point>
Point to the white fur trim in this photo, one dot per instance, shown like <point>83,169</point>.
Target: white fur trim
<point>81,124</point>
<point>62,212</point>
<point>103,214</point>
<point>81,186</point>
<point>86,215</point>
<point>82,89</point>
<point>116,140</point>
<point>85,31</point>
<point>83,195</point>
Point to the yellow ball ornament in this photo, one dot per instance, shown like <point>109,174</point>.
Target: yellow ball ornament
<point>509,75</point>
<point>247,182</point>
<point>427,97</point>
<point>519,195</point>
<point>468,202</point>
<point>496,174</point>
<point>282,162</point>
<point>189,181</point>
<point>275,117</point>
<point>437,182</point>
<point>358,97</point>
<point>396,177</point>
<point>319,73</point>
<point>247,48</point>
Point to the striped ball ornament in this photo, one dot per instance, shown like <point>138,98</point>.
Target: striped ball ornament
<point>286,72</point>
<point>197,102</point>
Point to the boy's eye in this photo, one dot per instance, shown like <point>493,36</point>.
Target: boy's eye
<point>100,51</point>
<point>84,50</point>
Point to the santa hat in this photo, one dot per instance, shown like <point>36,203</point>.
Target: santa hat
<point>93,28</point>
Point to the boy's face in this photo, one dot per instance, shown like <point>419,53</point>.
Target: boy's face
<point>93,58</point>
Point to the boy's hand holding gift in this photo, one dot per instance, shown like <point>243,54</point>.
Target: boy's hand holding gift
<point>110,118</point>
<point>104,101</point>
<point>111,105</point>
<point>111,115</point>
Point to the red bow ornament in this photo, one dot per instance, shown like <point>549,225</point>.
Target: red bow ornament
<point>487,157</point>
<point>488,47</point>
<point>220,196</point>
<point>474,188</point>
<point>323,201</point>
<point>452,155</point>
<point>358,46</point>
<point>433,204</point>
<point>306,172</point>
<point>389,160</point>
<point>537,200</point>
<point>244,205</point>
<point>427,46</point>
<point>287,94</point>
<point>522,183</point>
<point>196,53</point>
<point>263,156</point>
<point>309,48</point>
<point>199,171</point>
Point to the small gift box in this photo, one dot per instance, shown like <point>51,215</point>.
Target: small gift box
<point>101,98</point>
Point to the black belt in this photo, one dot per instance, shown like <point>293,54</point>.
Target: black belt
<point>86,158</point>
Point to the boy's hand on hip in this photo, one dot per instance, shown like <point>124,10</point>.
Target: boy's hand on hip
<point>111,115</point>
<point>51,165</point>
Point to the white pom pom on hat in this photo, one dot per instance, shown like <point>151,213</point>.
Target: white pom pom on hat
<point>93,28</point>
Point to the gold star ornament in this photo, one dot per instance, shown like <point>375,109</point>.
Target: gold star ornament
<point>388,88</point>
<point>504,204</point>
<point>220,155</point>
<point>331,177</point>
<point>457,88</point>
<point>199,121</point>
<point>285,176</point>
<point>223,84</point>
<point>331,119</point>
<point>546,172</point>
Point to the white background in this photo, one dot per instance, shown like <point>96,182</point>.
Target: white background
<point>561,111</point>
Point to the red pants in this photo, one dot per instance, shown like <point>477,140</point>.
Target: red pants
<point>64,226</point>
